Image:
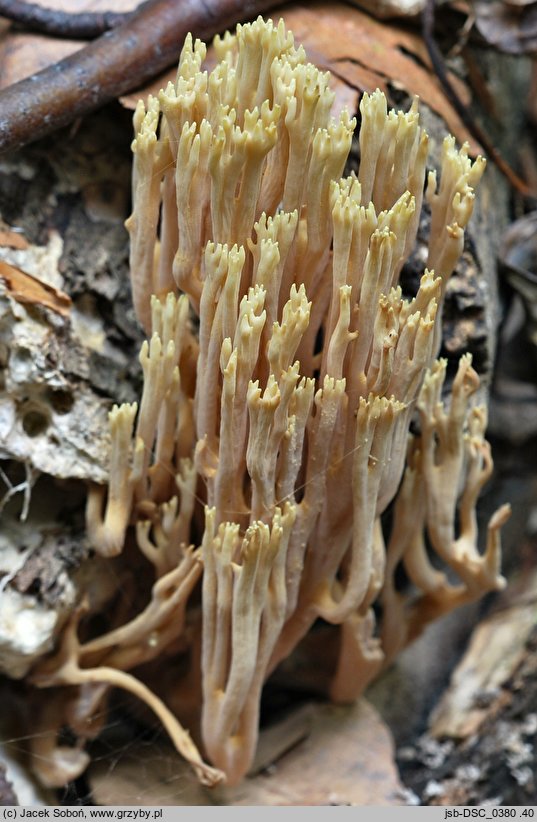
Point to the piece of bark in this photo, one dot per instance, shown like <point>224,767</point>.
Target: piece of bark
<point>45,572</point>
<point>62,369</point>
<point>37,560</point>
<point>50,419</point>
<point>31,291</point>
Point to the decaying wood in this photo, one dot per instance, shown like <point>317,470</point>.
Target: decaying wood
<point>118,61</point>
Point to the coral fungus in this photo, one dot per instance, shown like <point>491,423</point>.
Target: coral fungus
<point>282,371</point>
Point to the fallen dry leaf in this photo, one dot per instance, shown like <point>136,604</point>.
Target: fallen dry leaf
<point>24,288</point>
<point>12,239</point>
<point>24,54</point>
<point>347,759</point>
<point>368,54</point>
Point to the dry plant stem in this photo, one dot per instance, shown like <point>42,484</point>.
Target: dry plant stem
<point>121,60</point>
<point>81,26</point>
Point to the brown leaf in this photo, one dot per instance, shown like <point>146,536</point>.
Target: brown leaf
<point>12,239</point>
<point>24,288</point>
<point>24,54</point>
<point>368,54</point>
<point>347,759</point>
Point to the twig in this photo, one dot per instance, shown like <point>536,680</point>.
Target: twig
<point>23,487</point>
<point>79,26</point>
<point>473,127</point>
<point>119,61</point>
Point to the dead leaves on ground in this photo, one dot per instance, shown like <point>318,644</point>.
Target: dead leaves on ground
<point>368,54</point>
<point>361,52</point>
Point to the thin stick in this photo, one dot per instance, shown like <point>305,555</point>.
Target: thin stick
<point>119,61</point>
<point>78,26</point>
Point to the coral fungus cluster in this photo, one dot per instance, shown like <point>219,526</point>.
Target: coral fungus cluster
<point>282,372</point>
